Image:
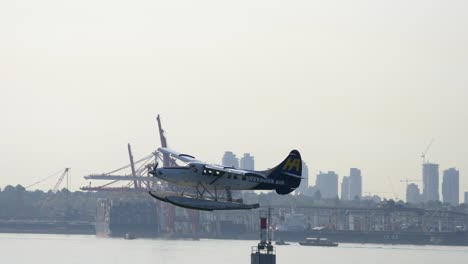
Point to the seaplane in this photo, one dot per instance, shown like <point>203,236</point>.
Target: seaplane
<point>212,185</point>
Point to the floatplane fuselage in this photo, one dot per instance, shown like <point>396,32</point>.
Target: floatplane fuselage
<point>207,180</point>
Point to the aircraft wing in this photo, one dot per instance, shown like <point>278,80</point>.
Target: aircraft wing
<point>177,155</point>
<point>234,171</point>
<point>226,169</point>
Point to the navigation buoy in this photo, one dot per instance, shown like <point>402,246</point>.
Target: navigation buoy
<point>264,252</point>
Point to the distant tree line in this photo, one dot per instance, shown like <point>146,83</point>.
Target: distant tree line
<point>17,203</point>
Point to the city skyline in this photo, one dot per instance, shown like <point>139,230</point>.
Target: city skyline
<point>230,159</point>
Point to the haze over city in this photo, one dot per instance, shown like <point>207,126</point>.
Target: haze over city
<point>362,84</point>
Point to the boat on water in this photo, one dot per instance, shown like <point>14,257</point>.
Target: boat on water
<point>129,236</point>
<point>281,242</point>
<point>318,242</point>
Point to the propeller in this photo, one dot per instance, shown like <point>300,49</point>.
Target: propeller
<point>153,172</point>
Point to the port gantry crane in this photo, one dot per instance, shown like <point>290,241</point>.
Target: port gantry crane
<point>132,182</point>
<point>141,175</point>
<point>138,175</point>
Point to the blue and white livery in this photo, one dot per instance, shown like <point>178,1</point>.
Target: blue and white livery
<point>209,180</point>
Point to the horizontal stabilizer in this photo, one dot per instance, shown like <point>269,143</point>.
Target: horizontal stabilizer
<point>292,175</point>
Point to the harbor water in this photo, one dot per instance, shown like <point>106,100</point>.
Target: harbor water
<point>78,249</point>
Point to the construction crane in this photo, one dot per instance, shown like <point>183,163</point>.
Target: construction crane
<point>60,180</point>
<point>49,198</point>
<point>423,155</point>
<point>409,180</point>
<point>391,187</point>
<point>372,193</point>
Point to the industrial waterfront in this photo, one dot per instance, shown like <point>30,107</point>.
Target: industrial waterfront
<point>293,219</point>
<point>117,204</point>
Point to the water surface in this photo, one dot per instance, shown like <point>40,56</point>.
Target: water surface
<point>71,249</point>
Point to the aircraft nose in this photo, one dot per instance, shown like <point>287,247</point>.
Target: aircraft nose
<point>156,172</point>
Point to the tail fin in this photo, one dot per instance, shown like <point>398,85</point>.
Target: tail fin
<point>289,171</point>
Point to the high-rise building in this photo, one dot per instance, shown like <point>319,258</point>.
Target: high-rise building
<point>351,186</point>
<point>345,188</point>
<point>355,184</point>
<point>327,184</point>
<point>247,162</point>
<point>430,182</point>
<point>451,187</point>
<point>413,194</point>
<point>304,187</point>
<point>230,160</point>
<point>305,172</point>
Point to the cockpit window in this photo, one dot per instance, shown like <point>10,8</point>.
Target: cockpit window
<point>211,172</point>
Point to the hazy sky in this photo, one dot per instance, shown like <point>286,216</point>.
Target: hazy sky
<point>362,84</point>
